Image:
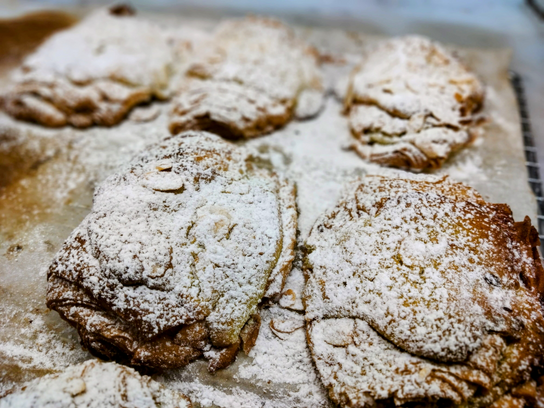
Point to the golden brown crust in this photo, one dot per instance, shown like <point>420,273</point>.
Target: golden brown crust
<point>61,103</point>
<point>419,291</point>
<point>526,234</point>
<point>209,106</point>
<point>251,78</point>
<point>409,104</point>
<point>92,74</point>
<point>250,332</point>
<point>222,358</point>
<point>225,230</point>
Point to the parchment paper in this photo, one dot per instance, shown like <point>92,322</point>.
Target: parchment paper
<point>46,182</point>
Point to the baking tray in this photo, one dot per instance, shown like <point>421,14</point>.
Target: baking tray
<point>50,176</point>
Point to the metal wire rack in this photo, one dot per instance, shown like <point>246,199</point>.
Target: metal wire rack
<point>536,7</point>
<point>531,159</point>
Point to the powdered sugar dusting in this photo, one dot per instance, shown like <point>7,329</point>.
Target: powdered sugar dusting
<point>190,230</point>
<point>424,269</point>
<point>412,75</point>
<point>95,72</point>
<point>93,384</point>
<point>262,53</point>
<point>100,49</point>
<point>277,373</point>
<point>343,346</point>
<point>246,81</point>
<point>310,153</point>
<point>392,227</point>
<point>410,101</point>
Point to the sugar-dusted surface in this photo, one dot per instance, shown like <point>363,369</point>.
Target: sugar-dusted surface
<point>433,243</point>
<point>45,204</point>
<point>410,103</point>
<point>420,284</point>
<point>189,232</point>
<point>103,54</point>
<point>411,75</point>
<point>95,72</point>
<point>246,80</point>
<point>277,373</point>
<point>94,384</point>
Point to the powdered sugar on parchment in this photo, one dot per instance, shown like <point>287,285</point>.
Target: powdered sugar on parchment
<point>278,373</point>
<point>311,153</point>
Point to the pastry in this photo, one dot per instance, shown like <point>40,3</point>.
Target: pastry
<point>178,251</point>
<point>410,103</point>
<point>95,384</point>
<point>93,73</point>
<point>419,291</point>
<point>251,78</point>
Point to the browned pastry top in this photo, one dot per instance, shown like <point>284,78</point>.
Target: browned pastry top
<point>409,103</point>
<point>249,79</point>
<point>22,35</point>
<point>437,291</point>
<point>93,73</point>
<point>183,243</point>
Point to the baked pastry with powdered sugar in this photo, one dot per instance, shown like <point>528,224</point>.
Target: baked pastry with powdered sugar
<point>93,73</point>
<point>410,103</point>
<point>420,292</point>
<point>179,250</point>
<point>95,384</point>
<point>252,77</point>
